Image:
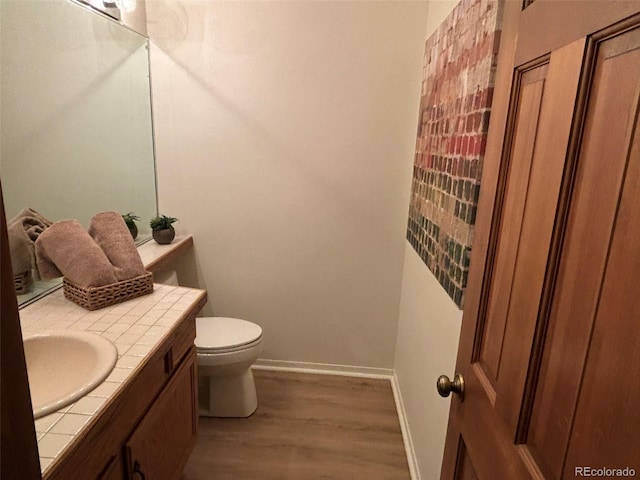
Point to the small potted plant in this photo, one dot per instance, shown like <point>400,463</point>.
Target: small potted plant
<point>162,229</point>
<point>130,219</point>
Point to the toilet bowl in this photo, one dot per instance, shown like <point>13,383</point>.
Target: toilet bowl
<point>226,348</point>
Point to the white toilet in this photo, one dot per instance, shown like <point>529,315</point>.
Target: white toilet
<point>226,348</point>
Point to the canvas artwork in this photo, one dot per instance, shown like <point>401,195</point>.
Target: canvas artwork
<point>457,89</point>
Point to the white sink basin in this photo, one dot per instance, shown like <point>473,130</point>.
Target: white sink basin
<point>64,366</point>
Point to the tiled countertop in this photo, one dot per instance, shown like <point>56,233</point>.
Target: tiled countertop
<point>136,327</point>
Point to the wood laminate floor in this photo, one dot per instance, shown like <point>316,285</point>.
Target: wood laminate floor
<point>306,427</point>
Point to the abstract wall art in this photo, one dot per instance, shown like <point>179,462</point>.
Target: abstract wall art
<point>457,90</point>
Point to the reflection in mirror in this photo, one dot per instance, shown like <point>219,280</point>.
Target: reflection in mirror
<point>76,132</point>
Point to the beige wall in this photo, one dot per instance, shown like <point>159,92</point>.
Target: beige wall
<point>427,340</point>
<point>285,137</point>
<point>427,345</point>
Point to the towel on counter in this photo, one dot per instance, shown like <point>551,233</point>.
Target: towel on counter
<point>65,248</point>
<point>23,230</point>
<point>110,232</point>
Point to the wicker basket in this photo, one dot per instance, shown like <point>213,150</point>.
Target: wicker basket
<point>93,298</point>
<point>21,282</point>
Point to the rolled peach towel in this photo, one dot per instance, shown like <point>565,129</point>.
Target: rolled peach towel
<point>65,248</point>
<point>110,232</point>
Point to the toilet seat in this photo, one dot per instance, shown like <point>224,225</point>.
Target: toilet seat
<point>224,335</point>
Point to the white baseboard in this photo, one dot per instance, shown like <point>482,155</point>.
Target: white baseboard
<point>414,470</point>
<point>323,369</point>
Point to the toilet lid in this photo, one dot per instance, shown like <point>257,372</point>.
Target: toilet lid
<point>216,333</point>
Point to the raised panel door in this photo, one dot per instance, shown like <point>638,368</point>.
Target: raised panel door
<point>549,333</point>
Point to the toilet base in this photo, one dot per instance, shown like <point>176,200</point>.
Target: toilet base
<point>227,395</point>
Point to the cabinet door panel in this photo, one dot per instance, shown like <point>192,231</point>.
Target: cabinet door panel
<point>113,471</point>
<point>160,446</point>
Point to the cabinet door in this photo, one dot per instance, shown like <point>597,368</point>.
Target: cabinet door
<point>113,471</point>
<point>159,447</point>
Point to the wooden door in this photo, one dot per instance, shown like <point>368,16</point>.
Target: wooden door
<point>550,341</point>
<point>18,446</point>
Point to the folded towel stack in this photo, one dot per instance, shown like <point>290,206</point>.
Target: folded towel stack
<point>111,233</point>
<point>105,255</point>
<point>24,229</point>
<point>65,248</point>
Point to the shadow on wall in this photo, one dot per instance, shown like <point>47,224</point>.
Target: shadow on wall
<point>190,275</point>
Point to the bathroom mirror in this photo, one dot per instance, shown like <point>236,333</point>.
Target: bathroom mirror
<point>75,116</point>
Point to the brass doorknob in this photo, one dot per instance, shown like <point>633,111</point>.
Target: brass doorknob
<point>446,386</point>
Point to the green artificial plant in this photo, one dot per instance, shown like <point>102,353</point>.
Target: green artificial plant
<point>130,219</point>
<point>162,222</point>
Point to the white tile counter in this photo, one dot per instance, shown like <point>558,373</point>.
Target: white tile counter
<point>136,327</point>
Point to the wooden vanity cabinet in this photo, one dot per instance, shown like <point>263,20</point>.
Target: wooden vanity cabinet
<point>160,445</point>
<point>148,430</point>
